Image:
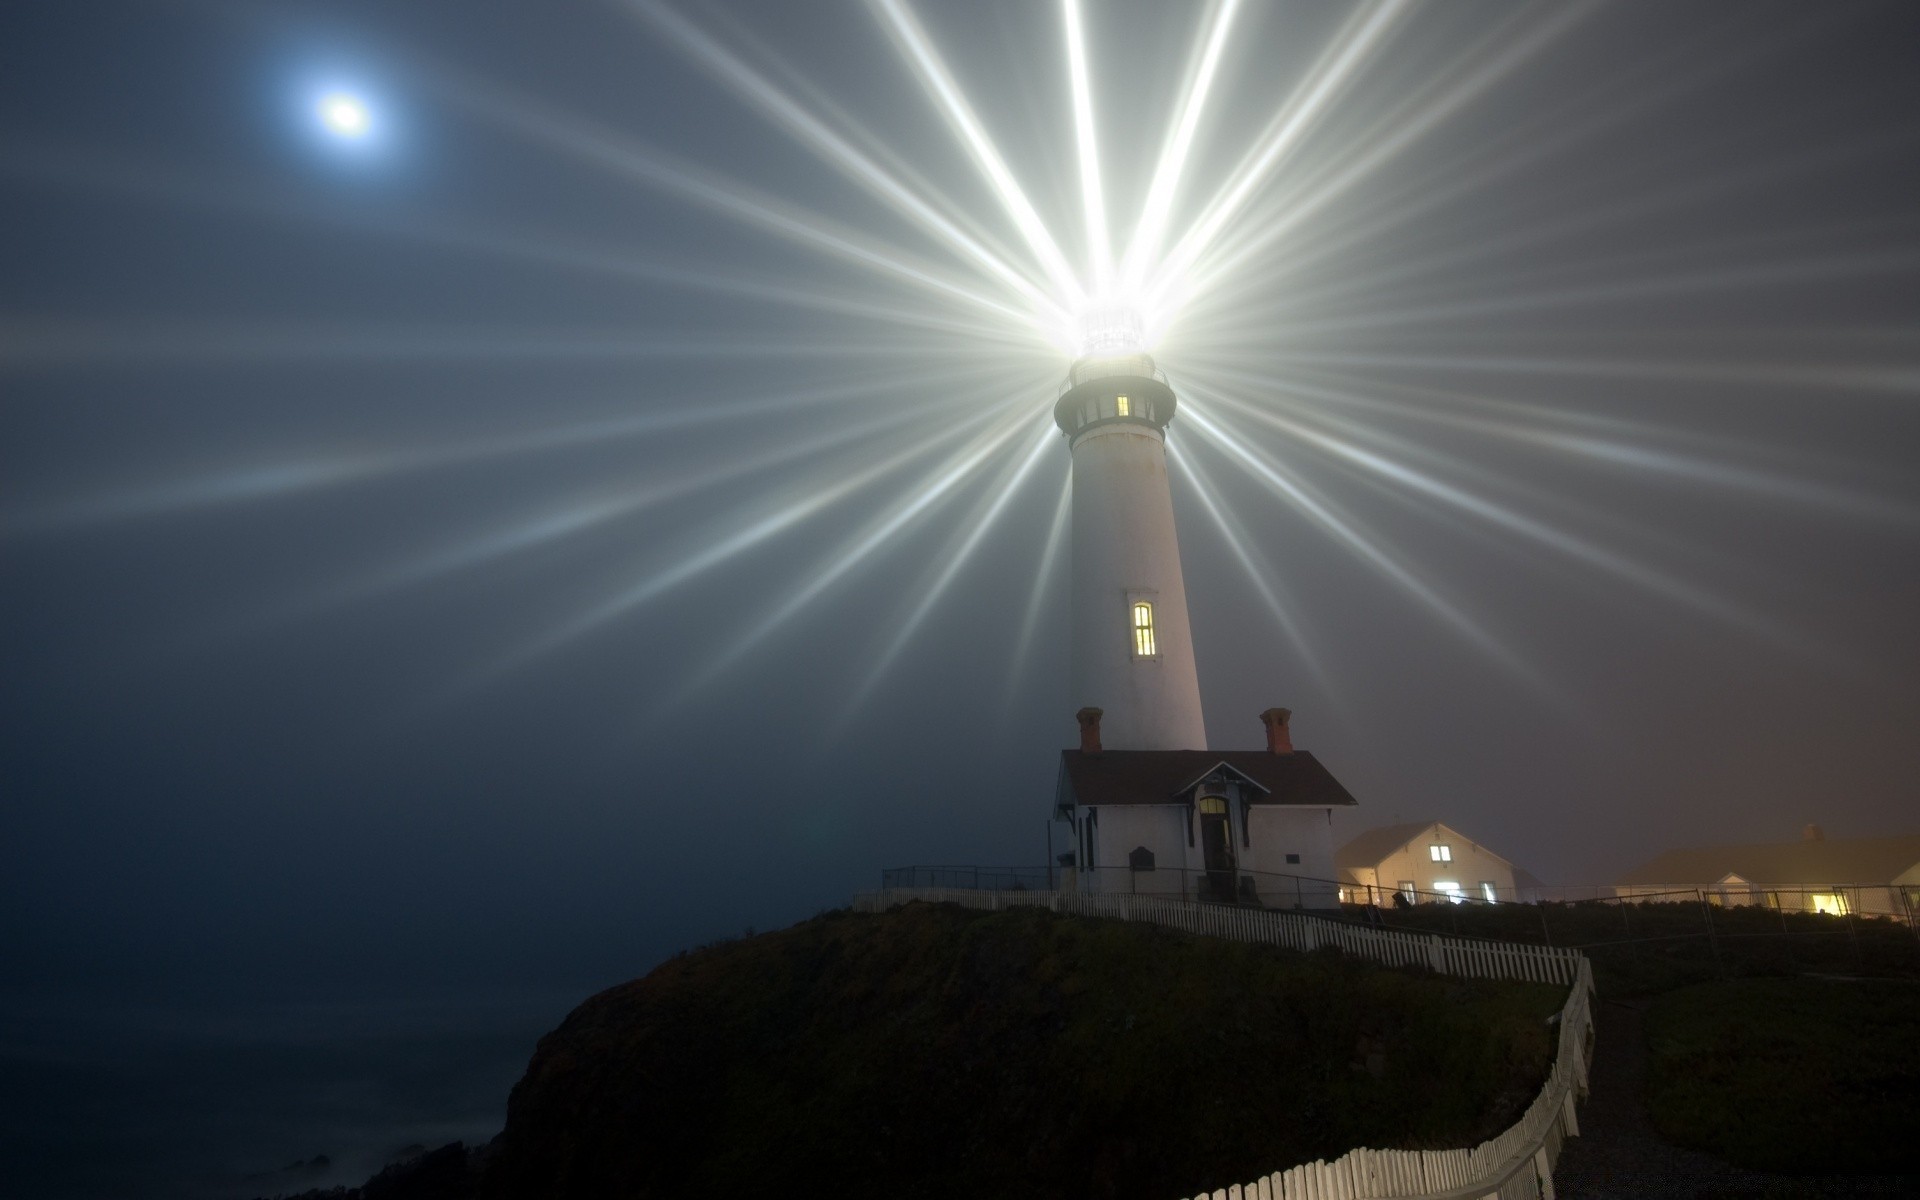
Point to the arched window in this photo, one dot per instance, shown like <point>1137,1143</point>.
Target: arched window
<point>1143,639</point>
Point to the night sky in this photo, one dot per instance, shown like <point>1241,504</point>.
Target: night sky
<point>444,571</point>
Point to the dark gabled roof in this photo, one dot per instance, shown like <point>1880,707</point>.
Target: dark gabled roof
<point>1369,848</point>
<point>1790,864</point>
<point>1168,776</point>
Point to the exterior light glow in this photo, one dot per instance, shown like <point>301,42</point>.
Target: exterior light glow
<point>1109,330</point>
<point>1143,640</point>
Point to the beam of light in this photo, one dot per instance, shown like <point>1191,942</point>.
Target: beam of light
<point>1558,540</point>
<point>1351,46</point>
<point>1400,130</point>
<point>976,525</point>
<point>1093,201</point>
<point>580,517</point>
<point>939,83</point>
<point>1260,574</point>
<point>1350,535</point>
<point>1637,284</point>
<point>1901,378</point>
<point>66,168</point>
<point>213,487</point>
<point>725,549</point>
<point>836,151</point>
<point>1150,230</point>
<point>955,471</point>
<point>729,198</point>
<point>1044,572</point>
<point>1597,439</point>
<point>49,343</point>
<point>1554,136</point>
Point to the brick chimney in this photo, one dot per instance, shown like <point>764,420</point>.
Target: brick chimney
<point>1279,738</point>
<point>1089,719</point>
<point>1813,833</point>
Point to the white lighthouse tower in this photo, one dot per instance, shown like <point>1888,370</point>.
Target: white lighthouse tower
<point>1132,645</point>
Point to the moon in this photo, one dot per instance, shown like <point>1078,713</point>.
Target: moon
<point>344,115</point>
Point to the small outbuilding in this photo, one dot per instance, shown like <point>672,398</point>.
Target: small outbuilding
<point>1246,825</point>
<point>1877,876</point>
<point>1424,860</point>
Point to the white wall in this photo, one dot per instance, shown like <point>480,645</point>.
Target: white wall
<point>1470,867</point>
<point>1124,544</point>
<point>1274,832</point>
<point>1277,831</point>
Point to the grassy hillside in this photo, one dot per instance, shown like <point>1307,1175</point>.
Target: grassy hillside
<point>1790,1074</point>
<point>934,1051</point>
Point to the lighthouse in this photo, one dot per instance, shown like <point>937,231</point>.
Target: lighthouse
<point>1132,643</point>
<point>1153,810</point>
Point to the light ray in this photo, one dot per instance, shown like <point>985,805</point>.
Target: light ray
<point>1349,534</point>
<point>784,517</point>
<point>733,199</point>
<point>1289,126</point>
<point>939,83</point>
<point>1901,378</point>
<point>216,486</point>
<point>1401,130</point>
<point>1558,540</point>
<point>976,526</point>
<point>581,517</point>
<point>843,156</point>
<point>1093,199</point>
<point>1263,577</point>
<point>1597,439</point>
<point>58,343</point>
<point>1043,575</point>
<point>858,549</point>
<point>1144,246</point>
<point>69,169</point>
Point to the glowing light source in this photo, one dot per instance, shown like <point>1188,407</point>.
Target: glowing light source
<point>1108,329</point>
<point>1144,645</point>
<point>344,115</point>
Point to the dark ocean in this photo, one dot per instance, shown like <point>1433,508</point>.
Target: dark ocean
<point>111,1099</point>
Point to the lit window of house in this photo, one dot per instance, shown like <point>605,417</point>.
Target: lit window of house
<point>1122,406</point>
<point>1450,888</point>
<point>1831,903</point>
<point>1490,892</point>
<point>1144,645</point>
<point>1440,853</point>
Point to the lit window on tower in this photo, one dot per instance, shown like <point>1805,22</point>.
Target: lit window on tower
<point>1143,642</point>
<point>1122,407</point>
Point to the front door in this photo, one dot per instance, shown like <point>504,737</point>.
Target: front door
<point>1216,838</point>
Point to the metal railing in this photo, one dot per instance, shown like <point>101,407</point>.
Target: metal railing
<point>1517,1163</point>
<point>1138,365</point>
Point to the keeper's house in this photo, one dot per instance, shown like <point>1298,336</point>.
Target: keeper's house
<point>1870,876</point>
<point>1243,825</point>
<point>1425,861</point>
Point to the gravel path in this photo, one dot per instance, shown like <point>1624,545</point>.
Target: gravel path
<point>1619,1156</point>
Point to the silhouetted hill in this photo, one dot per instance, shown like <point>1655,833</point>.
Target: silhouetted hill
<point>934,1051</point>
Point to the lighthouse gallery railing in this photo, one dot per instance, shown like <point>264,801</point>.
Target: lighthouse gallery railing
<point>1514,1165</point>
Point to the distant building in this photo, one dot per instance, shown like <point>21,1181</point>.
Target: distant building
<point>1872,876</point>
<point>1250,825</point>
<point>1425,860</point>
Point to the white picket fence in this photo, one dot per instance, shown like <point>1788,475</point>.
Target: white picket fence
<point>1515,1165</point>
